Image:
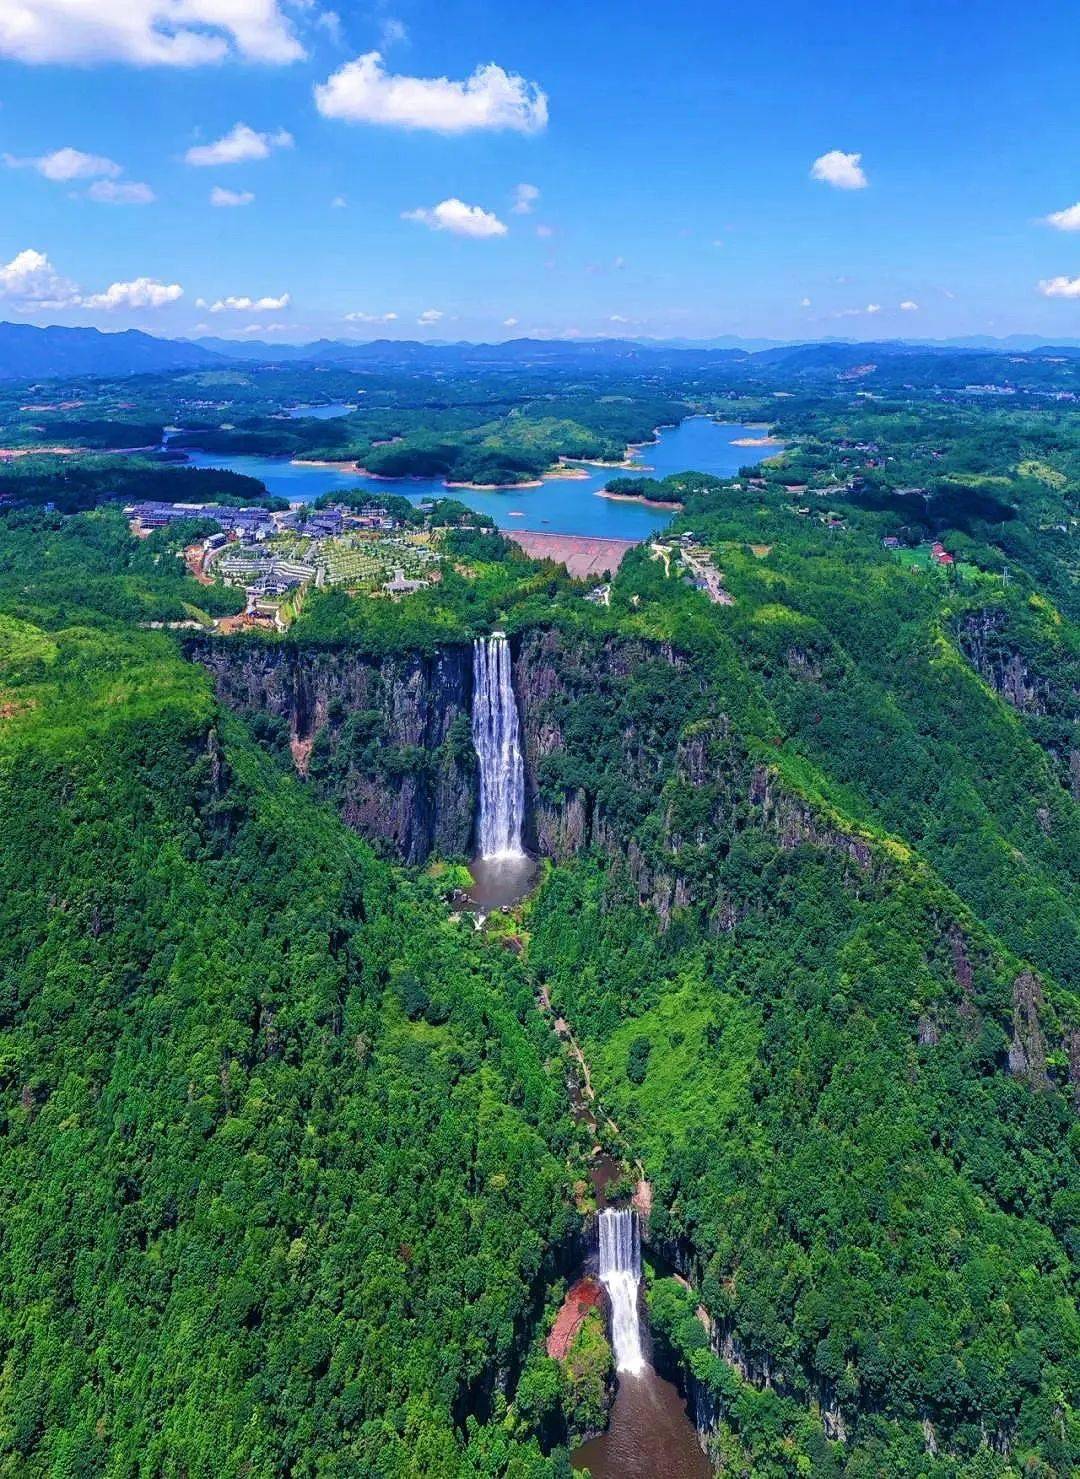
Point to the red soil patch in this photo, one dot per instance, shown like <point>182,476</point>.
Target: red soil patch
<point>581,1297</point>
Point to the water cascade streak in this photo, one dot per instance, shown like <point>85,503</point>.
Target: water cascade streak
<point>495,736</point>
<point>620,1274</point>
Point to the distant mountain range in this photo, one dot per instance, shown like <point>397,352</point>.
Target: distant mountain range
<point>30,353</point>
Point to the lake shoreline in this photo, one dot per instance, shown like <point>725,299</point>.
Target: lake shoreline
<point>636,498</point>
<point>562,505</point>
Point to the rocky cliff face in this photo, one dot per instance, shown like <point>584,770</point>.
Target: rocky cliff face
<point>387,740</point>
<point>622,753</point>
<point>1046,693</point>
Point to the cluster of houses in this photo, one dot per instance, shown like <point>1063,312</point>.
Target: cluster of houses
<point>240,552</point>
<point>245,523</point>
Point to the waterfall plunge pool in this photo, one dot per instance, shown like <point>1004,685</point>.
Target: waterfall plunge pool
<point>649,1432</point>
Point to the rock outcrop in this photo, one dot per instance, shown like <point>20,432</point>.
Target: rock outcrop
<point>387,740</point>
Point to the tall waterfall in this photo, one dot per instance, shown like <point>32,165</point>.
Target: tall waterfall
<point>620,1274</point>
<point>495,735</point>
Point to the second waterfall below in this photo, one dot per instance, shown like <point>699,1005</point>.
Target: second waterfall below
<point>620,1274</point>
<point>495,734</point>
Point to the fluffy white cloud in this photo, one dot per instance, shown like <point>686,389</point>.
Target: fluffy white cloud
<point>1060,287</point>
<point>618,318</point>
<point>844,171</point>
<point>430,316</point>
<point>873,308</point>
<point>870,308</point>
<point>525,198</point>
<point>32,279</point>
<point>68,164</point>
<point>238,146</point>
<point>146,33</point>
<point>1066,220</point>
<point>909,306</point>
<point>121,192</point>
<point>804,302</point>
<point>221,197</point>
<point>364,92</point>
<point>455,216</point>
<point>251,305</point>
<point>510,323</point>
<point>370,318</point>
<point>141,292</point>
<point>338,203</point>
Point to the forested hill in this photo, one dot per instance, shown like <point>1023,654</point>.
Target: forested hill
<point>288,1178</point>
<point>283,1163</point>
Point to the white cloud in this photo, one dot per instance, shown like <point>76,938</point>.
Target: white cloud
<point>142,292</point>
<point>120,192</point>
<point>844,171</point>
<point>510,323</point>
<point>544,232</point>
<point>525,198</point>
<point>873,308</point>
<point>1060,287</point>
<point>265,328</point>
<point>364,92</point>
<point>909,306</point>
<point>68,164</point>
<point>330,22</point>
<point>618,318</point>
<point>392,33</point>
<point>1066,220</point>
<point>804,302</point>
<point>238,146</point>
<point>146,33</point>
<point>870,308</point>
<point>455,216</point>
<point>32,279</point>
<point>338,203</point>
<point>370,318</point>
<point>431,316</point>
<point>221,197</point>
<point>251,305</point>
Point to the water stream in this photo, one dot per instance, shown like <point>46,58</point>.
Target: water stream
<point>495,733</point>
<point>650,1434</point>
<point>620,1274</point>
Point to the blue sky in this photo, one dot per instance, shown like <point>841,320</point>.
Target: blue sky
<point>670,149</point>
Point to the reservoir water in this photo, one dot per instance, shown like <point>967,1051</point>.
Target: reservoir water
<point>559,506</point>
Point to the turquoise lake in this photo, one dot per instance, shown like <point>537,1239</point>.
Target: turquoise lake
<point>558,506</point>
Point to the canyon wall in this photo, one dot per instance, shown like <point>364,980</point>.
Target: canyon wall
<point>386,740</point>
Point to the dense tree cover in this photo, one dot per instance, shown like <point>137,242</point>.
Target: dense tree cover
<point>675,488</point>
<point>881,1225</point>
<point>283,1165</point>
<point>87,570</point>
<point>487,431</point>
<point>71,484</point>
<point>286,1147</point>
